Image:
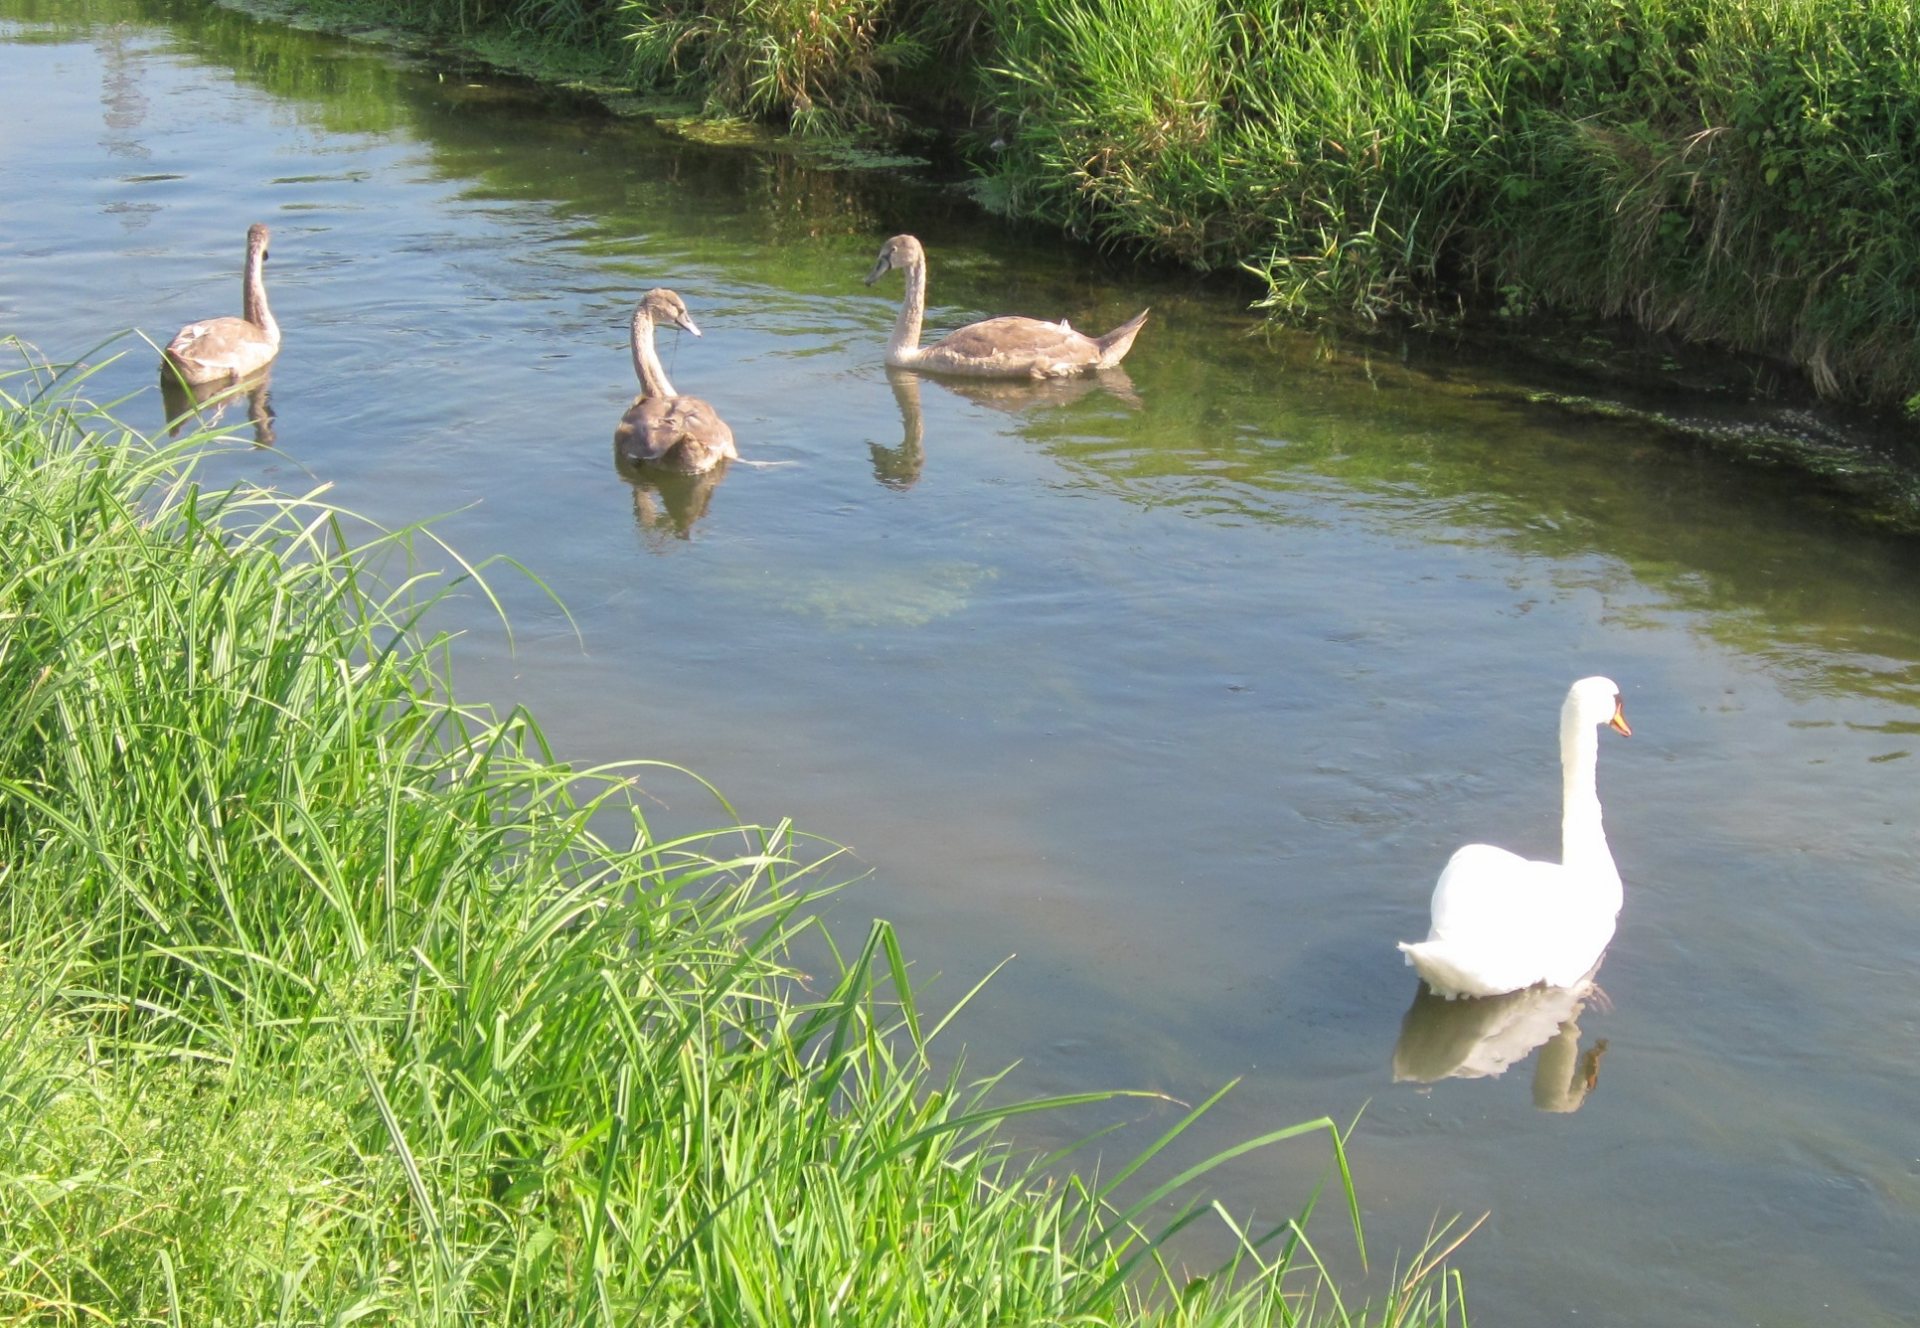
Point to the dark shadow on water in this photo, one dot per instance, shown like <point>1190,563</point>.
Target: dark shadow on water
<point>1480,1037</point>
<point>1018,395</point>
<point>899,467</point>
<point>204,405</point>
<point>668,503</point>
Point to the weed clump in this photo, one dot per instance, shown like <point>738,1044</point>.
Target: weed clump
<point>1738,172</point>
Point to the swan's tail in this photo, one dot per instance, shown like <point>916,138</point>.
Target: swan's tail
<point>1115,345</point>
<point>1446,972</point>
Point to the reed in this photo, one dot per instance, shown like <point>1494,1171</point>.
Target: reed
<point>1733,170</point>
<point>324,997</point>
<point>815,64</point>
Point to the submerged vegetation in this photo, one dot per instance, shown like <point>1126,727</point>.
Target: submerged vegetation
<point>1738,171</point>
<point>325,998</point>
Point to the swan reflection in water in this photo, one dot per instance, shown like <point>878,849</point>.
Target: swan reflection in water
<point>667,502</point>
<point>900,467</point>
<point>1479,1037</point>
<point>203,405</point>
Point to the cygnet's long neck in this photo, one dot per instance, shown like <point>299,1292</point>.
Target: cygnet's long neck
<point>1583,840</point>
<point>646,360</point>
<point>904,347</point>
<point>253,296</point>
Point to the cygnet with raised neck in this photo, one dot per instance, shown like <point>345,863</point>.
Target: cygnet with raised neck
<point>232,348</point>
<point>1008,347</point>
<point>662,427</point>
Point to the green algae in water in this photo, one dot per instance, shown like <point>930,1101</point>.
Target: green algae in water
<point>718,132</point>
<point>1882,490</point>
<point>854,157</point>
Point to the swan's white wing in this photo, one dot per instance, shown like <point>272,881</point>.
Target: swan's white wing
<point>1502,922</point>
<point>1486,892</point>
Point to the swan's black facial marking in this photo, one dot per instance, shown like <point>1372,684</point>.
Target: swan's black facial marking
<point>889,259</point>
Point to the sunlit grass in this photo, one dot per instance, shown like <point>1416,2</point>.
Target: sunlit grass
<point>812,63</point>
<point>325,998</point>
<point>1739,170</point>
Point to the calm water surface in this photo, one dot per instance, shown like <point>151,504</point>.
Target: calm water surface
<point>1180,688</point>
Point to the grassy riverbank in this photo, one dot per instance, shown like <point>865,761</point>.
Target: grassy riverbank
<point>1740,171</point>
<point>323,997</point>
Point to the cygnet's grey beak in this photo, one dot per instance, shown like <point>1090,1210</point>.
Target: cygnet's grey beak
<point>686,321</point>
<point>880,269</point>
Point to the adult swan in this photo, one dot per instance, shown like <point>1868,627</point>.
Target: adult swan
<point>1502,923</point>
<point>1011,347</point>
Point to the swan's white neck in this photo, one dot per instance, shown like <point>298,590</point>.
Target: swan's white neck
<point>253,297</point>
<point>1583,840</point>
<point>904,347</point>
<point>646,360</point>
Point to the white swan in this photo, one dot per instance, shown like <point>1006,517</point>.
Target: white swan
<point>1502,923</point>
<point>1009,347</point>
<point>231,348</point>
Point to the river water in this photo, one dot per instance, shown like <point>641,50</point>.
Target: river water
<point>1178,687</point>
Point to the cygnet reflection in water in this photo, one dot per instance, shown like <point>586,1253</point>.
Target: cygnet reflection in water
<point>1018,396</point>
<point>1479,1037</point>
<point>204,405</point>
<point>900,467</point>
<point>667,503</point>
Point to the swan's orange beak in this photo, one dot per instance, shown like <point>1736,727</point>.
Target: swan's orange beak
<point>1619,721</point>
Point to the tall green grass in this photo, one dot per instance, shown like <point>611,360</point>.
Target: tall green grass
<point>1292,136</point>
<point>1739,170</point>
<point>324,998</point>
<point>817,64</point>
